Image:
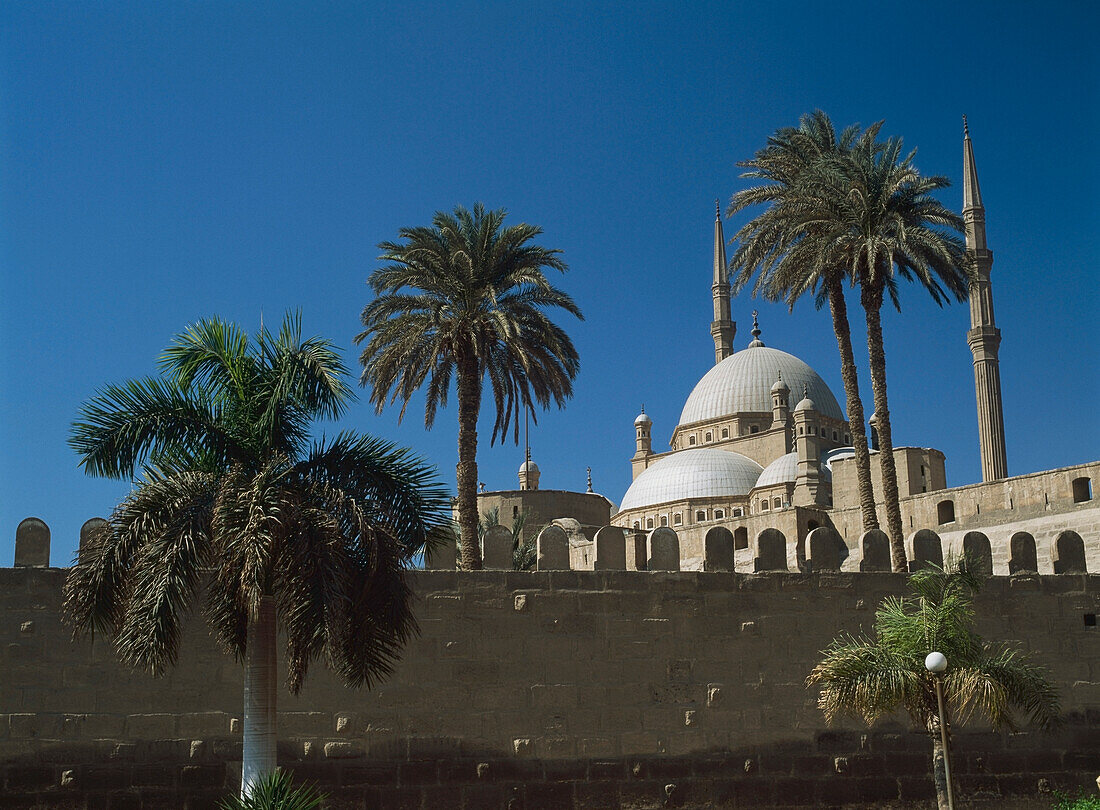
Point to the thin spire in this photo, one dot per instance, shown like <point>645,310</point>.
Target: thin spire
<point>717,209</point>
<point>589,479</point>
<point>721,274</point>
<point>972,192</point>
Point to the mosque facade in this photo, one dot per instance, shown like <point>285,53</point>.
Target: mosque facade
<point>762,442</point>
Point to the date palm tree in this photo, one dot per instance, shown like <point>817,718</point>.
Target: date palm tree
<point>786,248</point>
<point>464,299</point>
<point>886,225</point>
<point>235,508</point>
<point>870,678</point>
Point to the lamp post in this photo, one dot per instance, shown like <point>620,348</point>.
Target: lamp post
<point>936,663</point>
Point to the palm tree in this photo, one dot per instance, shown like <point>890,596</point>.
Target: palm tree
<point>785,247</point>
<point>886,224</point>
<point>523,552</point>
<point>234,506</point>
<point>464,298</point>
<point>873,678</point>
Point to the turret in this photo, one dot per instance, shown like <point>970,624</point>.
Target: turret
<point>529,475</point>
<point>807,485</point>
<point>984,338</point>
<point>722,328</point>
<point>780,402</point>
<point>642,439</point>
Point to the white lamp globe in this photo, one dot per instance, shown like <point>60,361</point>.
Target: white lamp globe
<point>935,662</point>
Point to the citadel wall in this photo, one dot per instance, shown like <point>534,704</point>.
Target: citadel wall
<point>525,690</point>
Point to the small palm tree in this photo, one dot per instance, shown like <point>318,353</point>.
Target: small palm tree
<point>276,791</point>
<point>523,552</point>
<point>786,247</point>
<point>871,678</point>
<point>465,299</point>
<point>234,507</point>
<point>884,225</point>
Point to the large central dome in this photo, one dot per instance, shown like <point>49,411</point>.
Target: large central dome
<point>701,473</point>
<point>743,383</point>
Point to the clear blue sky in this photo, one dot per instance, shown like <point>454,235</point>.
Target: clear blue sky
<point>162,162</point>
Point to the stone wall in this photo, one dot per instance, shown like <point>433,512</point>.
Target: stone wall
<point>549,689</point>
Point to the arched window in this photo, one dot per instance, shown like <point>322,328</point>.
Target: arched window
<point>719,514</point>
<point>649,523</point>
<point>710,437</point>
<point>801,430</point>
<point>677,519</point>
<point>664,520</point>
<point>725,433</point>
<point>1082,490</point>
<point>945,512</point>
<point>737,513</point>
<point>740,537</point>
<point>834,436</point>
<point>764,505</point>
<point>701,515</point>
<point>691,440</point>
<point>776,503</point>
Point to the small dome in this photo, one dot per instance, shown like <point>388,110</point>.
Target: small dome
<point>784,470</point>
<point>780,387</point>
<point>700,473</point>
<point>642,419</point>
<point>742,383</point>
<point>528,467</point>
<point>805,404</point>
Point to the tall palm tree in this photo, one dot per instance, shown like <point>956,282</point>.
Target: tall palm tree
<point>234,506</point>
<point>463,298</point>
<point>786,248</point>
<point>886,225</point>
<point>871,678</point>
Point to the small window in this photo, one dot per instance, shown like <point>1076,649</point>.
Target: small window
<point>834,436</point>
<point>741,537</point>
<point>700,515</point>
<point>664,520</point>
<point>710,437</point>
<point>801,430</point>
<point>776,503</point>
<point>677,519</point>
<point>1082,490</point>
<point>649,523</point>
<point>637,524</point>
<point>754,429</point>
<point>515,511</point>
<point>725,433</point>
<point>719,514</point>
<point>737,513</point>
<point>945,512</point>
<point>691,440</point>
<point>764,505</point>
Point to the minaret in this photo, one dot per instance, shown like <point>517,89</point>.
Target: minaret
<point>984,337</point>
<point>722,328</point>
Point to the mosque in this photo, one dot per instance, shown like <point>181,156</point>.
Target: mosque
<point>763,443</point>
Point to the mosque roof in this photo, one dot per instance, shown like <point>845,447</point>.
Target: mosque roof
<point>699,473</point>
<point>784,470</point>
<point>743,383</point>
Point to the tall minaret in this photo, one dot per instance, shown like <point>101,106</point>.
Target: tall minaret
<point>722,328</point>
<point>984,337</point>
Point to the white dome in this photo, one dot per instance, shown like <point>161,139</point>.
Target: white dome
<point>743,383</point>
<point>528,466</point>
<point>701,473</point>
<point>643,419</point>
<point>784,470</point>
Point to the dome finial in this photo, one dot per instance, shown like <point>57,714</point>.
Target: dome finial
<point>717,209</point>
<point>589,479</point>
<point>756,341</point>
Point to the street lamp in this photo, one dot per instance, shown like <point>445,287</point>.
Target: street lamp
<point>936,663</point>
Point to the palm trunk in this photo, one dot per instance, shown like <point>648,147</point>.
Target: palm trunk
<point>872,305</point>
<point>259,698</point>
<point>854,406</point>
<point>469,406</point>
<point>939,772</point>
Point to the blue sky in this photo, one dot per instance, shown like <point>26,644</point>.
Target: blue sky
<point>160,163</point>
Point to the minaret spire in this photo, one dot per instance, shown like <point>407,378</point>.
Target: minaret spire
<point>984,337</point>
<point>722,328</point>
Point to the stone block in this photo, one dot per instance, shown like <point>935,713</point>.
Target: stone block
<point>609,546</point>
<point>552,549</point>
<point>825,547</point>
<point>497,549</point>
<point>1022,556</point>
<point>718,550</point>
<point>978,554</point>
<point>151,726</point>
<point>90,532</point>
<point>662,550</point>
<point>442,556</point>
<point>923,548</point>
<point>343,750</point>
<point>1067,553</point>
<point>875,548</point>
<point>770,552</point>
<point>32,544</point>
